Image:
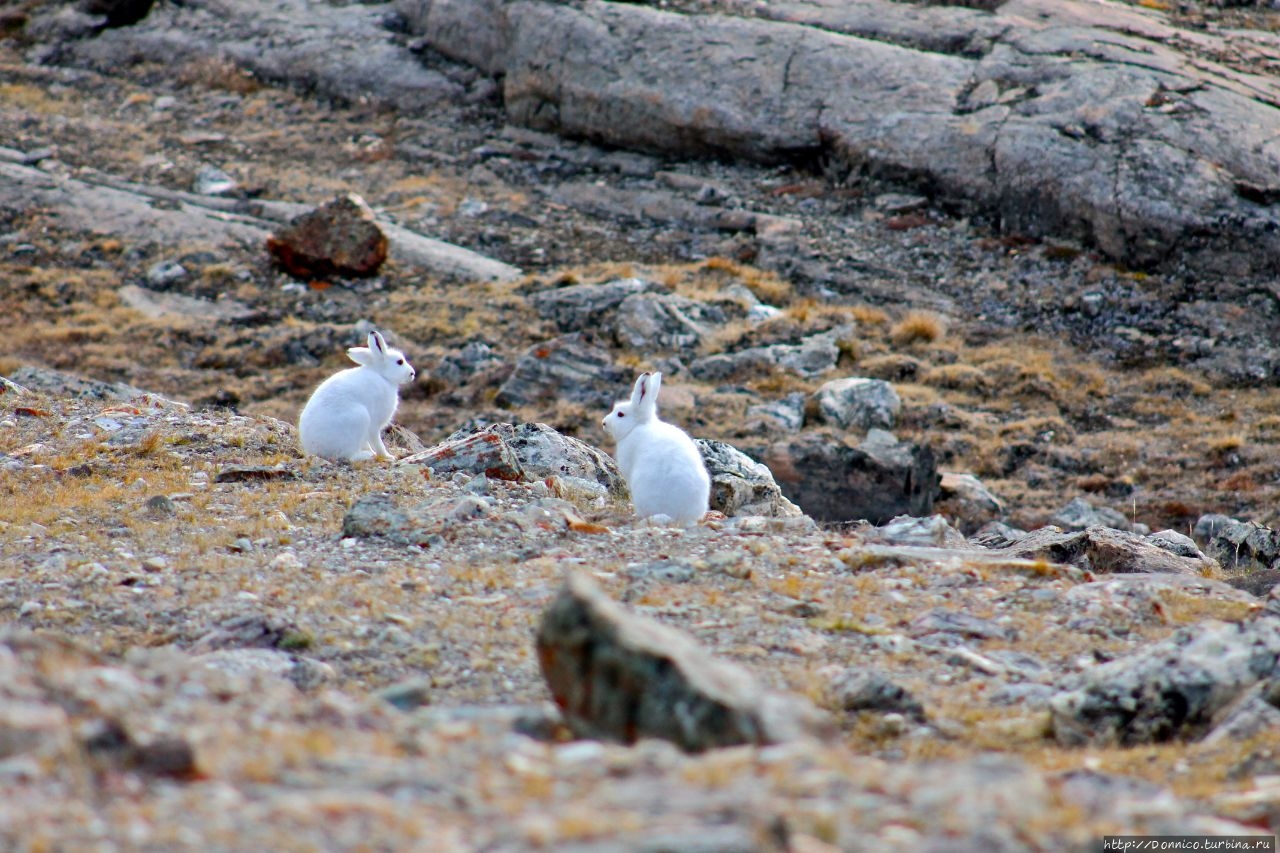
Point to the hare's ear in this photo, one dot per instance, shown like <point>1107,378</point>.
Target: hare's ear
<point>361,355</point>
<point>639,390</point>
<point>377,345</point>
<point>646,396</point>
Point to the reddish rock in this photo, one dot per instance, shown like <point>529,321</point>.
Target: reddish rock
<point>339,238</point>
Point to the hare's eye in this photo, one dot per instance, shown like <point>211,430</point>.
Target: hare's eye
<point>399,361</point>
<point>622,414</point>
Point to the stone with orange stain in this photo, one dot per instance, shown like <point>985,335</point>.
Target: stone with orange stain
<point>339,238</point>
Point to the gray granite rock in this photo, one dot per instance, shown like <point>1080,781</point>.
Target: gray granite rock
<point>740,485</point>
<point>1244,546</point>
<point>858,403</point>
<point>967,502</point>
<point>564,368</point>
<point>1170,690</point>
<point>664,322</point>
<point>1055,118</point>
<point>1079,514</point>
<point>861,689</point>
<point>623,677</point>
<point>581,307</point>
<point>811,357</point>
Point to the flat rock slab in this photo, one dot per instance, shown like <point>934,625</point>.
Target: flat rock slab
<point>1103,549</point>
<point>102,204</point>
<point>623,677</point>
<point>1085,120</point>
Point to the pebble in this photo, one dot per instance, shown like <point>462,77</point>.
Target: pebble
<point>165,274</point>
<point>211,180</point>
<point>155,564</point>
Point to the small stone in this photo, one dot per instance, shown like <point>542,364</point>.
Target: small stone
<point>286,560</point>
<point>930,532</point>
<point>968,502</point>
<point>155,564</point>
<point>662,571</point>
<point>29,607</point>
<point>859,689</point>
<point>939,621</point>
<point>897,203</point>
<point>1176,543</point>
<point>408,695</point>
<point>165,274</point>
<point>1079,514</point>
<point>211,180</point>
<point>161,506</point>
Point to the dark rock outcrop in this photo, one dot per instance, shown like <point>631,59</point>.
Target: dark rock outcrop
<point>876,481</point>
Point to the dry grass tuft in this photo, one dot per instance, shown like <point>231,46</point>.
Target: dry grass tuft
<point>959,377</point>
<point>918,327</point>
<point>869,315</point>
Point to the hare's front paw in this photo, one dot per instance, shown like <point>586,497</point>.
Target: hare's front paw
<point>386,457</point>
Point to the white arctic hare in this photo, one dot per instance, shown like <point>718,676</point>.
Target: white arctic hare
<point>345,416</point>
<point>661,464</point>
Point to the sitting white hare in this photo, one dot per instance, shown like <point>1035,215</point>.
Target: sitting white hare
<point>345,416</point>
<point>661,464</point>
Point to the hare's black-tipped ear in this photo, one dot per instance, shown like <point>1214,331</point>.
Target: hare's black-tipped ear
<point>377,344</point>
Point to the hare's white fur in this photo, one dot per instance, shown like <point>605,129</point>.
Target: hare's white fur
<point>345,416</point>
<point>661,464</point>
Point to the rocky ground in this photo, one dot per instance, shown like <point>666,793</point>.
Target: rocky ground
<point>227,654</point>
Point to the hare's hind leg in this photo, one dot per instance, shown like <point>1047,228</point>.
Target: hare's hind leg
<point>375,441</point>
<point>355,428</point>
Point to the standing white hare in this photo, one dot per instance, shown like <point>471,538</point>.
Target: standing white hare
<point>661,464</point>
<point>345,416</point>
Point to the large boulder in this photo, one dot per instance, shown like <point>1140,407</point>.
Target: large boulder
<point>740,485</point>
<point>340,237</point>
<point>876,481</point>
<point>624,677</point>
